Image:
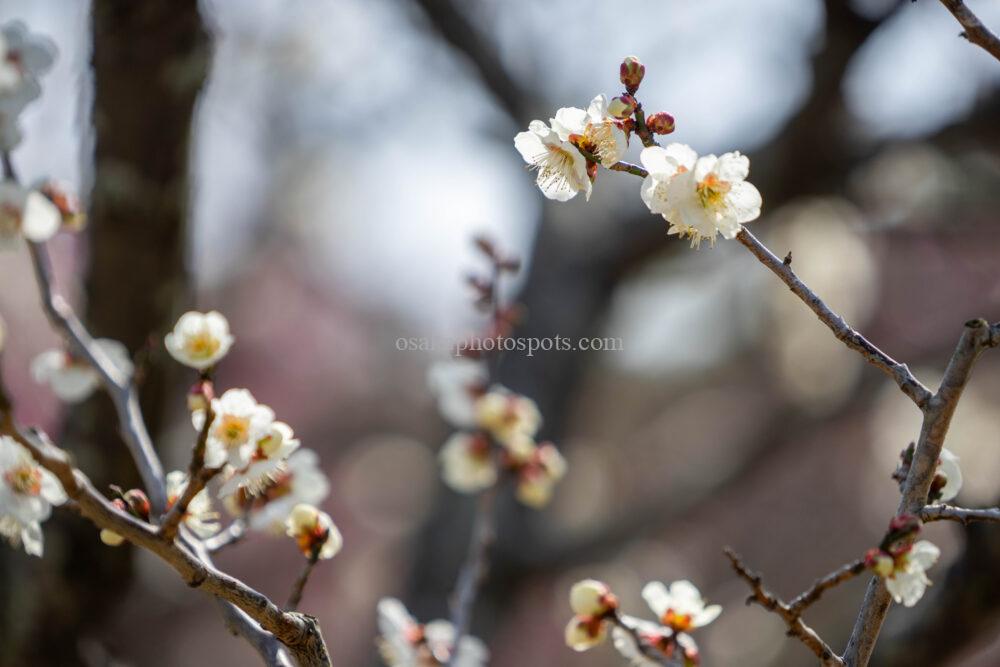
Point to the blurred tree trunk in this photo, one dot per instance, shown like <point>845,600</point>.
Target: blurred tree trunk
<point>150,59</point>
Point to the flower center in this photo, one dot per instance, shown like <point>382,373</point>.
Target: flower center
<point>24,479</point>
<point>555,167</point>
<point>712,191</point>
<point>678,622</point>
<point>201,345</point>
<point>233,431</point>
<point>601,137</point>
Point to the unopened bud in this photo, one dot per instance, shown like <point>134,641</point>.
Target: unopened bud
<point>622,107</point>
<point>631,73</point>
<point>904,524</point>
<point>200,395</point>
<point>592,598</point>
<point>879,562</point>
<point>660,123</point>
<point>138,503</point>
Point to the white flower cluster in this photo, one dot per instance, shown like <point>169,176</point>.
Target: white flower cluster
<point>404,642</point>
<point>27,494</point>
<point>268,479</point>
<point>679,609</point>
<point>903,562</point>
<point>498,429</point>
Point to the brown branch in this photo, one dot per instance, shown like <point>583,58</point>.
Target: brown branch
<point>198,478</point>
<point>910,386</point>
<point>974,30</point>
<point>976,337</point>
<point>835,578</point>
<point>300,633</point>
<point>796,628</point>
<point>965,515</point>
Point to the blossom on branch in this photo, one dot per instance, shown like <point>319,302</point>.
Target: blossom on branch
<point>199,517</point>
<point>199,340</point>
<point>947,480</point>
<point>458,383</point>
<point>314,532</point>
<point>506,415</point>
<point>701,197</point>
<point>593,606</point>
<point>297,480</point>
<point>240,423</point>
<point>538,474</point>
<point>562,169</point>
<point>404,642</point>
<point>902,563</point>
<point>646,639</point>
<point>679,607</point>
<point>266,461</point>
<point>28,213</point>
<point>23,59</point>
<point>594,130</point>
<point>73,379</point>
<point>27,493</point>
<point>467,463</point>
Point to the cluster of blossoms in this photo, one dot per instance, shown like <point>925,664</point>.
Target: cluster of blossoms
<point>268,480</point>
<point>679,609</point>
<point>903,563</point>
<point>701,197</point>
<point>27,494</point>
<point>405,642</point>
<point>498,434</point>
<point>35,213</point>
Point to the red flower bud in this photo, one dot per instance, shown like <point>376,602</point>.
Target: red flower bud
<point>631,73</point>
<point>660,123</point>
<point>138,503</point>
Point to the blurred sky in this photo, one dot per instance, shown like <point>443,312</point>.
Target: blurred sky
<point>340,125</point>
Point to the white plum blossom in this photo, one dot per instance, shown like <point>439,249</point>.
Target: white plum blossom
<point>949,469</point>
<point>679,607</point>
<point>594,130</point>
<point>27,493</point>
<point>404,642</point>
<point>536,478</point>
<point>73,379</point>
<point>562,169</point>
<point>297,480</point>
<point>199,517</point>
<point>906,574</point>
<point>700,197</point>
<point>240,423</point>
<point>23,58</point>
<point>458,383</point>
<point>272,450</point>
<point>467,462</point>
<point>506,415</point>
<point>28,213</point>
<point>199,340</point>
<point>314,532</point>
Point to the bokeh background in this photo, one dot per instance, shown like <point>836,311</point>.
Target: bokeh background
<point>315,170</point>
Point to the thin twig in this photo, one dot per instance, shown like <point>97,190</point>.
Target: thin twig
<point>796,628</point>
<point>974,30</point>
<point>198,478</point>
<point>300,583</point>
<point>976,337</point>
<point>648,651</point>
<point>910,386</point>
<point>229,536</point>
<point>118,385</point>
<point>835,578</point>
<point>474,568</point>
<point>965,515</point>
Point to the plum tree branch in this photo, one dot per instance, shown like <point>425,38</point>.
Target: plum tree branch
<point>796,627</point>
<point>198,478</point>
<point>962,514</point>
<point>973,28</point>
<point>977,336</point>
